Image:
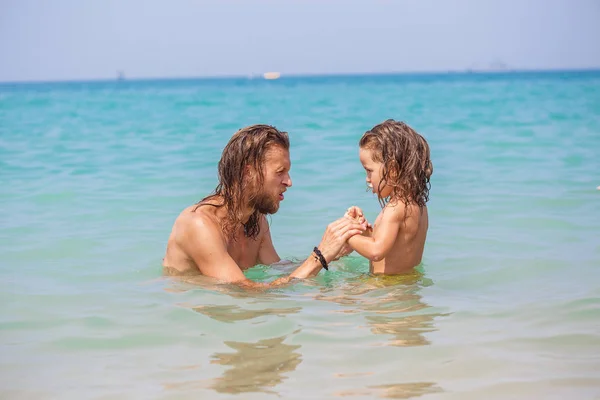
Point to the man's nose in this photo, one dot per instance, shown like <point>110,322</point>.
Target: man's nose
<point>288,181</point>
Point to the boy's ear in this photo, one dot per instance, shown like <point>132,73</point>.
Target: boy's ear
<point>393,172</point>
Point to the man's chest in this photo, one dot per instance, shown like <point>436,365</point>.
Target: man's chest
<point>244,251</point>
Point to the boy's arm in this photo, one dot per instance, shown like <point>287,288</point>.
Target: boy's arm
<point>377,245</point>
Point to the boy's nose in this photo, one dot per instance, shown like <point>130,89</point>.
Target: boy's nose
<point>288,181</point>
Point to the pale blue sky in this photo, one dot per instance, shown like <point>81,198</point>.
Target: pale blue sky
<point>79,39</point>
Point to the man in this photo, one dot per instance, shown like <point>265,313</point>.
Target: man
<point>227,232</point>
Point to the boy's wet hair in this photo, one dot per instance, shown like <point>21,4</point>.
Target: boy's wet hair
<point>247,147</point>
<point>406,160</point>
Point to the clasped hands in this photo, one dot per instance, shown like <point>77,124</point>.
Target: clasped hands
<point>334,243</point>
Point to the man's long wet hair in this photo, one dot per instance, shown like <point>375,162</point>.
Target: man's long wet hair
<point>407,165</point>
<point>247,147</point>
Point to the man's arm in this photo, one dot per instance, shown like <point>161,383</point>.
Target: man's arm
<point>377,245</point>
<point>204,245</point>
<point>334,238</point>
<point>268,255</point>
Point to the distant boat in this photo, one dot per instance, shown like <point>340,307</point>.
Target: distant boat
<point>120,76</point>
<point>271,75</point>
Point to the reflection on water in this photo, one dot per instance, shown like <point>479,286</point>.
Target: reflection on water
<point>233,313</point>
<point>394,391</point>
<point>194,282</point>
<point>407,331</point>
<point>256,367</point>
<point>391,305</point>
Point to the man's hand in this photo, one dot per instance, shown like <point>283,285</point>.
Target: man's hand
<point>356,214</point>
<point>336,235</point>
<point>344,251</point>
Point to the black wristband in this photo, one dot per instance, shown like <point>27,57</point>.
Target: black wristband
<point>321,258</point>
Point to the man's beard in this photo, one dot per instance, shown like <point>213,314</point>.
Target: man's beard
<point>264,204</point>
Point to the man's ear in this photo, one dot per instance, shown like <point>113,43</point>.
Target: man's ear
<point>250,176</point>
<point>249,171</point>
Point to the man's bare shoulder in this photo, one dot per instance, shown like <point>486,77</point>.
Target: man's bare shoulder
<point>196,220</point>
<point>193,228</point>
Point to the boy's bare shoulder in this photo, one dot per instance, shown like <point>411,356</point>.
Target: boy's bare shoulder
<point>396,210</point>
<point>408,214</point>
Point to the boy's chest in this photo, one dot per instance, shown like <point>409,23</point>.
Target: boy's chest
<point>378,220</point>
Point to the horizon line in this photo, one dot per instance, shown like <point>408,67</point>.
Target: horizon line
<point>259,76</point>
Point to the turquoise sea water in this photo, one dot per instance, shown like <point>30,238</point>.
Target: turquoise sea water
<point>506,305</point>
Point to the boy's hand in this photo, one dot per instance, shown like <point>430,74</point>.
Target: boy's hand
<point>354,212</point>
<point>357,214</point>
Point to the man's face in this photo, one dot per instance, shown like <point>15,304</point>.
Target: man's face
<point>276,171</point>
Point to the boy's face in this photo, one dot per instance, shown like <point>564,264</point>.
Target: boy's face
<point>374,170</point>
